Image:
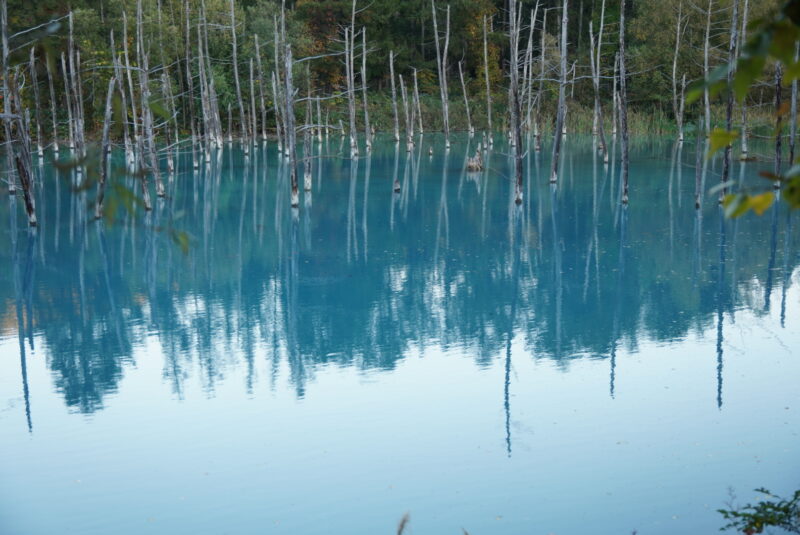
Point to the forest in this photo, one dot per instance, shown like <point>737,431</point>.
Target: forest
<point>163,76</point>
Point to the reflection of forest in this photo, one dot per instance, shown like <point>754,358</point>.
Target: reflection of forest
<point>362,274</point>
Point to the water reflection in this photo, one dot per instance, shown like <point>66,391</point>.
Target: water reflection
<point>452,262</point>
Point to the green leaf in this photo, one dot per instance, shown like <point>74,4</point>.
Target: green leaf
<point>735,205</point>
<point>719,138</point>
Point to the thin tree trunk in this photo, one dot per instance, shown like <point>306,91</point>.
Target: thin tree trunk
<point>253,121</point>
<point>557,134</point>
<point>147,113</point>
<point>514,100</point>
<point>698,175</point>
<point>37,103</point>
<point>540,92</point>
<point>793,114</point>
<point>394,97</point>
<point>418,108</point>
<point>364,87</point>
<point>623,103</point>
<point>466,99</point>
<point>128,71</point>
<point>104,150</point>
<point>486,75</point>
<point>52,104</point>
<point>242,116</point>
<point>675,105</point>
<point>123,102</point>
<point>706,98</point>
<point>7,125</point>
<point>778,122</point>
<point>261,83</point>
<point>598,110</point>
<point>290,130</point>
<point>726,163</point>
<point>441,63</point>
<point>68,97</point>
<point>743,40</point>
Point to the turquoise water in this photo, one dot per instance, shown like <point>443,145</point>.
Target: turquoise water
<point>567,366</point>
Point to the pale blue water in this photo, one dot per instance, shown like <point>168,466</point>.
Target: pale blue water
<point>563,367</point>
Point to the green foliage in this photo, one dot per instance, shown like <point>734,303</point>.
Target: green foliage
<point>772,511</point>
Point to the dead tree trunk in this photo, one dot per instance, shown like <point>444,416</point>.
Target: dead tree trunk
<point>743,156</point>
<point>623,103</point>
<point>486,76</point>
<point>676,106</point>
<point>394,97</point>
<point>104,150</point>
<point>290,129</point>
<point>147,113</point>
<point>367,132</point>
<point>242,116</point>
<point>726,163</point>
<point>261,83</point>
<point>7,124</point>
<point>418,106</point>
<point>778,122</point>
<point>706,42</point>
<point>351,99</point>
<point>513,98</point>
<point>36,103</point>
<point>466,99</point>
<point>557,134</point>
<point>441,63</point>
<point>52,104</point>
<point>598,110</point>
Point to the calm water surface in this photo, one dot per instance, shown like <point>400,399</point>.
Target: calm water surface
<point>563,367</point>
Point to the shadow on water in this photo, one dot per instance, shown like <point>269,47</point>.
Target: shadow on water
<point>451,262</point>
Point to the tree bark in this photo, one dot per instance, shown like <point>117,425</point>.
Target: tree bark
<point>623,103</point>
<point>394,97</point>
<point>557,133</point>
<point>104,150</point>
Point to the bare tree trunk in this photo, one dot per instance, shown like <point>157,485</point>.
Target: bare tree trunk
<point>242,116</point>
<point>278,128</point>
<point>615,97</point>
<point>7,125</point>
<point>778,122</point>
<point>394,97</point>
<point>147,113</point>
<point>68,96</point>
<point>441,63</point>
<point>557,134</point>
<point>52,104</point>
<point>351,99</point>
<point>513,98</point>
<point>364,87</point>
<point>466,100</point>
<point>104,150</point>
<point>598,110</point>
<point>307,131</point>
<point>486,75</point>
<point>793,114</point>
<point>698,175</point>
<point>743,40</point>
<point>675,105</point>
<point>261,83</point>
<point>527,79</point>
<point>123,102</point>
<point>417,104</point>
<point>129,72</point>
<point>408,116</point>
<point>726,163</point>
<point>290,129</point>
<point>623,103</point>
<point>37,103</point>
<point>706,98</point>
<point>253,121</point>
<point>540,92</point>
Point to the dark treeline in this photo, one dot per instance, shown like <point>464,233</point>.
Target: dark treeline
<point>367,274</point>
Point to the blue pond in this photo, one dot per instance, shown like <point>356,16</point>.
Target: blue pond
<point>567,366</point>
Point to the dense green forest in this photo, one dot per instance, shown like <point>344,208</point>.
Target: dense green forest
<point>404,27</point>
<point>164,76</point>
